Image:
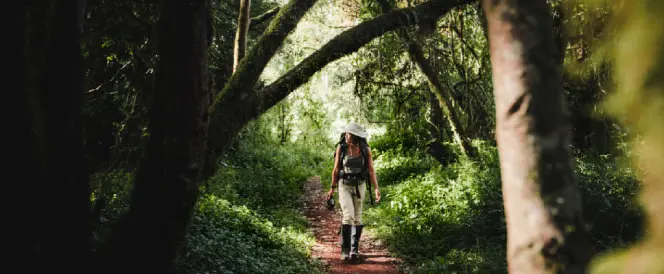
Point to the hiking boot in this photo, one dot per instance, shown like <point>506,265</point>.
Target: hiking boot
<point>345,241</point>
<point>355,244</point>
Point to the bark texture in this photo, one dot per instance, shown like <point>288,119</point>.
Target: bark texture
<point>242,33</point>
<point>545,227</point>
<point>147,238</point>
<point>55,226</point>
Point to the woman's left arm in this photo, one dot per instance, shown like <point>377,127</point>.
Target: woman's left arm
<point>372,175</point>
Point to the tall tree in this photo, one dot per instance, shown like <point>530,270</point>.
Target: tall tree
<point>147,238</point>
<point>545,227</point>
<point>242,33</point>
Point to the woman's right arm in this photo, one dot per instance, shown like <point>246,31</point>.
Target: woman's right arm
<point>335,173</point>
<point>335,170</point>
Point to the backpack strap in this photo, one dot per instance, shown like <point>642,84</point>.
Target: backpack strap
<point>342,154</point>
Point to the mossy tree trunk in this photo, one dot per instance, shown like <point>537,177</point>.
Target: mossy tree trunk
<point>545,227</point>
<point>231,109</point>
<point>146,239</point>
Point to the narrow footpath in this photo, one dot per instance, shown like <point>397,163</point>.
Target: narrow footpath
<point>325,223</point>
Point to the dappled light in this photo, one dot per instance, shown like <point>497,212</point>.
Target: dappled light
<point>201,136</point>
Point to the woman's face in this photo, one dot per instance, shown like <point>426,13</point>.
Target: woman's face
<point>349,138</point>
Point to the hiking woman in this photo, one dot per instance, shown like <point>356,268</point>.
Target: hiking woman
<point>353,167</point>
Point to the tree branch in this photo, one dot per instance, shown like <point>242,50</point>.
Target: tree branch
<point>350,41</point>
<point>242,33</point>
<point>239,89</point>
<point>463,41</point>
<point>263,18</point>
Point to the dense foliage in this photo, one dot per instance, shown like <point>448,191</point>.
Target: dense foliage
<point>442,208</point>
<point>248,218</point>
<point>450,218</point>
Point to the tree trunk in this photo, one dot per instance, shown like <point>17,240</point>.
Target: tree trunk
<point>56,224</point>
<point>242,33</point>
<point>147,238</point>
<point>437,133</point>
<point>445,99</point>
<point>545,228</point>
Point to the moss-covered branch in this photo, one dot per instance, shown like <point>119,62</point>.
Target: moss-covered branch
<point>229,112</point>
<point>260,19</point>
<point>350,41</point>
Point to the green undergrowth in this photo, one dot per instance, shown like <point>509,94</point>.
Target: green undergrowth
<point>247,218</point>
<point>225,238</point>
<point>450,219</point>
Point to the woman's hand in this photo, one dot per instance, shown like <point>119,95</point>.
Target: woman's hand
<point>377,192</point>
<point>330,193</point>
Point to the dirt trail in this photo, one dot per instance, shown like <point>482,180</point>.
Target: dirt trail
<point>325,223</point>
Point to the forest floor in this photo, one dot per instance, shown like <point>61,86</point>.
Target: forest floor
<point>374,256</point>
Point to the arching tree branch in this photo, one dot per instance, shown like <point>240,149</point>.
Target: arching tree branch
<point>239,89</point>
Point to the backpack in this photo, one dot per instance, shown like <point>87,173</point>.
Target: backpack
<point>364,151</point>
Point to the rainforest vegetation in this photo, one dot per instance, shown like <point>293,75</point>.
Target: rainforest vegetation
<point>508,136</point>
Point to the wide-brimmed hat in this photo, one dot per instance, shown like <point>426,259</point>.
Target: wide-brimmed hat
<point>356,130</point>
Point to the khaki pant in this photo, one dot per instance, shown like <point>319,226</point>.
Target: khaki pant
<point>351,206</point>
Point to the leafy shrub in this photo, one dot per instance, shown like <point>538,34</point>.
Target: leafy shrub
<point>234,239</point>
<point>264,174</point>
<point>609,189</point>
<point>450,218</point>
<point>396,165</point>
<point>246,220</point>
<point>446,209</point>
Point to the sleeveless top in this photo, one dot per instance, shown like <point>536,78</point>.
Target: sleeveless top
<point>353,165</point>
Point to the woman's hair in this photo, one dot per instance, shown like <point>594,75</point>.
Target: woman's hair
<point>353,139</point>
<point>357,140</point>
